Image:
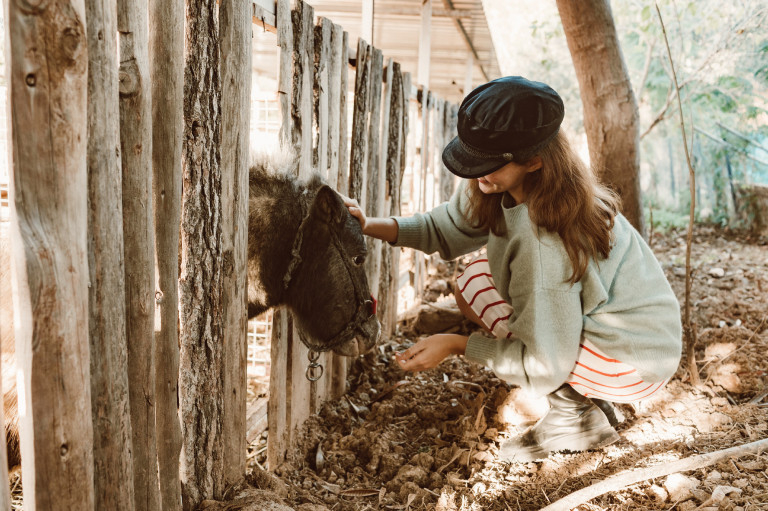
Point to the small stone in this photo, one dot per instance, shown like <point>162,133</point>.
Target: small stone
<point>679,486</point>
<point>658,493</point>
<point>714,476</point>
<point>483,456</point>
<point>716,272</point>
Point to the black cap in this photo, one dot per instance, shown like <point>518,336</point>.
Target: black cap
<point>504,120</point>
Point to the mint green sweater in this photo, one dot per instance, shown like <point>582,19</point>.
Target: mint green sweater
<point>623,304</point>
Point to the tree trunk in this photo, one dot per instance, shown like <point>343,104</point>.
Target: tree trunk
<point>48,78</point>
<point>235,25</point>
<point>112,437</point>
<point>136,152</point>
<point>611,117</point>
<point>166,49</point>
<point>200,294</point>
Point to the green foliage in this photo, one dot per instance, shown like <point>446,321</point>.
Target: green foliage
<point>665,220</point>
<point>720,54</point>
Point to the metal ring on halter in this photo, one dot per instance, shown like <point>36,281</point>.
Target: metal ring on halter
<point>313,355</point>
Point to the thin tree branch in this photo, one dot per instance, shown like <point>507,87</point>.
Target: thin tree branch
<point>624,479</point>
<point>689,332</point>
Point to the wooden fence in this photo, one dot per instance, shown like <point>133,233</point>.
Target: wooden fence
<point>117,166</point>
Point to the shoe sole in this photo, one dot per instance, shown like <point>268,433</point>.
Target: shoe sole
<point>580,443</point>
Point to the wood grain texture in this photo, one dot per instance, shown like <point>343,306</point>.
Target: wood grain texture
<point>200,283</point>
<point>112,437</point>
<point>235,37</point>
<point>48,82</point>
<point>166,50</point>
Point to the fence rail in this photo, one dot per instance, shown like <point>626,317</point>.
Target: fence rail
<point>397,130</point>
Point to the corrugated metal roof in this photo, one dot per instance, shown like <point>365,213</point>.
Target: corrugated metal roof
<point>455,25</point>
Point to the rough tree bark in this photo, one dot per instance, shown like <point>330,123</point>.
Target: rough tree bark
<point>235,24</point>
<point>611,117</point>
<point>200,288</point>
<point>112,438</point>
<point>139,238</point>
<point>166,50</point>
<point>48,79</point>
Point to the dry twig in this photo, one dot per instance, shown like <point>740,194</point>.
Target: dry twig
<point>628,478</point>
<point>689,330</point>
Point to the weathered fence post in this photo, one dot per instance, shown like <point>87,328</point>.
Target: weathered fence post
<point>302,15</point>
<point>395,148</point>
<point>337,381</point>
<point>322,94</point>
<point>282,324</point>
<point>373,187</point>
<point>48,92</point>
<point>447,179</point>
<point>200,292</point>
<point>136,153</point>
<point>321,108</point>
<point>110,405</point>
<point>6,336</point>
<point>166,50</point>
<point>235,29</point>
<point>360,116</point>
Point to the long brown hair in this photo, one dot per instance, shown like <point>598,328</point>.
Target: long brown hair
<point>565,197</point>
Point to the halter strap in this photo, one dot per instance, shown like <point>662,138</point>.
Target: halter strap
<point>363,302</point>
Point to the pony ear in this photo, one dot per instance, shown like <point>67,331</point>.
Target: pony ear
<point>328,206</point>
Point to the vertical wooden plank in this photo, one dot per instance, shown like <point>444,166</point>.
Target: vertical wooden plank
<point>447,179</point>
<point>321,94</point>
<point>385,193</point>
<point>322,55</point>
<point>374,189</point>
<point>200,283</point>
<point>397,152</point>
<point>112,438</point>
<point>166,49</point>
<point>335,97</point>
<point>48,82</point>
<point>136,152</point>
<point>278,416</point>
<point>425,43</point>
<point>7,343</point>
<point>235,36</point>
<point>343,181</point>
<point>279,390</point>
<point>426,100</point>
<point>303,80</point>
<point>337,379</point>
<point>285,73</point>
<point>359,151</point>
<point>303,15</point>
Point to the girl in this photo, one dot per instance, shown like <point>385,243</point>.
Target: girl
<point>577,305</point>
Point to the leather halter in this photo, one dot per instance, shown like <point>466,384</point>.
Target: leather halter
<point>366,305</point>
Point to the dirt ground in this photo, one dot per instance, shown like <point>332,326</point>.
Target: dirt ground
<point>428,441</point>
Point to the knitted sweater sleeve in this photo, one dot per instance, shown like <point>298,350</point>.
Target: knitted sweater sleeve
<point>546,332</point>
<point>445,229</point>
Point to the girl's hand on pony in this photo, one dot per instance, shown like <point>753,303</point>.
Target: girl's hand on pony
<point>355,210</point>
<point>430,351</point>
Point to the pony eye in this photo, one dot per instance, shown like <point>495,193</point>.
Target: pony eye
<point>358,260</point>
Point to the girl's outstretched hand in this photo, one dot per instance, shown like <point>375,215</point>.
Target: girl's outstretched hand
<point>356,211</point>
<point>430,351</point>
